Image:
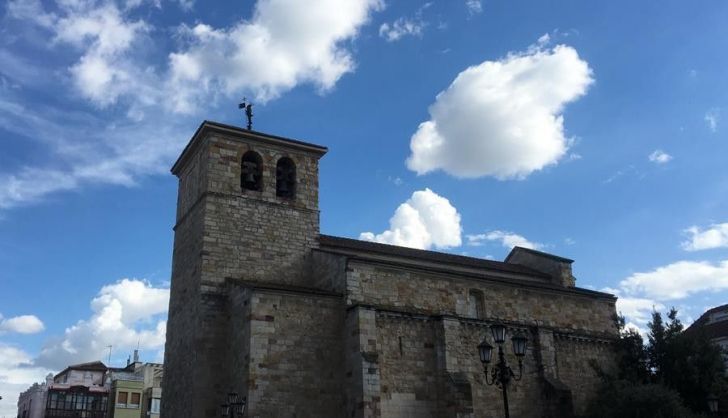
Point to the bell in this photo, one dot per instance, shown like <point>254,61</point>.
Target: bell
<point>249,177</point>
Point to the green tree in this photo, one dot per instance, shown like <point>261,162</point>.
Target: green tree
<point>685,362</point>
<point>674,373</point>
<point>631,356</point>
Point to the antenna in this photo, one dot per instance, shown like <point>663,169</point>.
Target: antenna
<point>109,347</point>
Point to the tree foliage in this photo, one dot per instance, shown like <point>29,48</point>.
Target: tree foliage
<point>672,374</point>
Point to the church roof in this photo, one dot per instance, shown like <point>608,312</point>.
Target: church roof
<point>518,249</point>
<point>425,255</point>
<point>231,131</point>
<point>456,263</point>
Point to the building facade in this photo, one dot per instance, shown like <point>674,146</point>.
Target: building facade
<point>714,322</point>
<point>309,325</point>
<point>92,390</point>
<point>79,391</point>
<point>32,402</point>
<point>135,390</point>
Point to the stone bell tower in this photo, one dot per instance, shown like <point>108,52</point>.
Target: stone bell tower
<point>247,212</point>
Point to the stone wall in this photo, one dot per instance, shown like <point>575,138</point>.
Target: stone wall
<point>574,356</point>
<point>407,359</point>
<point>361,357</point>
<point>425,342</point>
<point>183,318</point>
<point>256,307</point>
<point>296,365</point>
<point>424,292</point>
<point>225,165</point>
<point>255,235</point>
<point>224,232</point>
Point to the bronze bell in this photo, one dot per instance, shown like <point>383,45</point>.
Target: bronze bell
<point>249,177</point>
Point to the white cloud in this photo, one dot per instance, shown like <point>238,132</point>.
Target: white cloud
<point>474,6</point>
<point>712,117</point>
<point>659,157</point>
<point>285,44</point>
<point>716,236</point>
<point>404,26</point>
<point>31,10</point>
<point>502,118</point>
<point>423,221</point>
<point>23,324</point>
<point>638,310</point>
<point>678,280</point>
<point>106,70</point>
<point>87,150</point>
<point>399,28</point>
<point>126,313</point>
<point>507,239</point>
<point>16,374</point>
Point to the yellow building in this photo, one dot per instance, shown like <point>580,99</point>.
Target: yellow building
<point>136,390</point>
<point>126,395</point>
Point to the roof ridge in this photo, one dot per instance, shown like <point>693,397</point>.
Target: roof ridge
<point>420,253</point>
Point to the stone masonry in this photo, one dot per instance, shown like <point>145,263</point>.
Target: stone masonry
<point>309,325</point>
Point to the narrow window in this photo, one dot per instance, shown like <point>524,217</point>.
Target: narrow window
<point>251,175</point>
<point>134,400</point>
<point>475,304</point>
<point>285,178</point>
<point>121,399</point>
<point>156,402</point>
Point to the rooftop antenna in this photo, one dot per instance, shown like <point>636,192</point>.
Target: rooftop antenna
<point>248,107</point>
<point>109,347</point>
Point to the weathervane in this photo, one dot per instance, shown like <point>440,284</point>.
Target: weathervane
<point>248,107</point>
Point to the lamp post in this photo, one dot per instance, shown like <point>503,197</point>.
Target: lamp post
<point>234,407</point>
<point>501,374</point>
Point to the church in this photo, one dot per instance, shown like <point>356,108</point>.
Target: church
<point>308,325</point>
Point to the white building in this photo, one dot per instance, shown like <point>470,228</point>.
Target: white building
<point>31,403</point>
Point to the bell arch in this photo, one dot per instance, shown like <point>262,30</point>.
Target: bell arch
<point>286,178</point>
<point>251,174</point>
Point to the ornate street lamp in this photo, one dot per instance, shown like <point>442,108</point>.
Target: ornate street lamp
<point>234,407</point>
<point>501,374</point>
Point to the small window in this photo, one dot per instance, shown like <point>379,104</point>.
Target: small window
<point>156,402</point>
<point>121,398</point>
<point>251,175</point>
<point>285,178</point>
<point>475,304</point>
<point>134,400</point>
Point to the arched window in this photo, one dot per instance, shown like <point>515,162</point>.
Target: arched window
<point>476,308</point>
<point>285,178</point>
<point>251,175</point>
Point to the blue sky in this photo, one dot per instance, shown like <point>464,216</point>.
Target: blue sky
<point>592,130</point>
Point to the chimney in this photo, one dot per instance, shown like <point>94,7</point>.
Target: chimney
<point>136,356</point>
<point>128,361</point>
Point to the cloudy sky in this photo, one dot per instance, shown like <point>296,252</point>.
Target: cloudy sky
<point>593,130</point>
